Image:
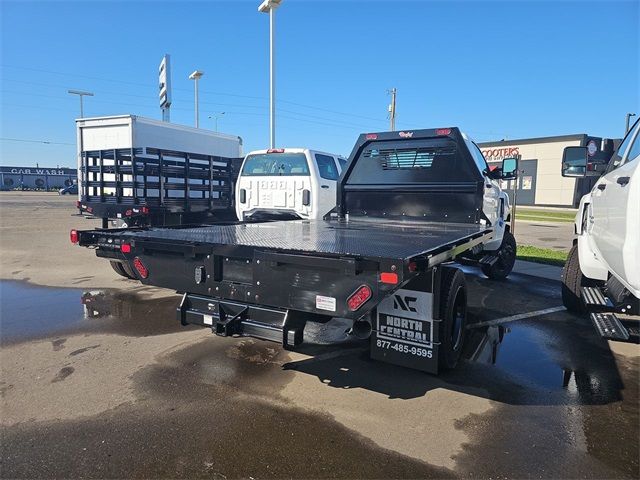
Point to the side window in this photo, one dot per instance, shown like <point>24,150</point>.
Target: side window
<point>634,150</point>
<point>327,167</point>
<point>479,158</point>
<point>343,163</point>
<point>616,160</point>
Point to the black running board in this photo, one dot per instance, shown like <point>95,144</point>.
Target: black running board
<point>594,297</point>
<point>609,326</point>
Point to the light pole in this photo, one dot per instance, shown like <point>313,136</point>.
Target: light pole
<point>629,115</point>
<point>81,94</point>
<point>195,76</point>
<point>269,6</point>
<point>215,117</point>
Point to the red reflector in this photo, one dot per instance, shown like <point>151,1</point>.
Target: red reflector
<point>78,205</point>
<point>275,150</point>
<point>359,297</point>
<point>145,210</point>
<point>125,248</point>
<point>371,136</point>
<point>128,213</point>
<point>73,236</point>
<point>389,277</point>
<point>413,266</point>
<point>90,209</point>
<point>443,131</point>
<point>142,270</point>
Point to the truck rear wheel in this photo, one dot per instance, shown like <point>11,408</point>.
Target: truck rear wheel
<point>572,282</point>
<point>453,312</point>
<point>506,258</point>
<point>122,269</point>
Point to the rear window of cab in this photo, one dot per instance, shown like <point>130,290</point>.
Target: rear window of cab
<point>276,164</point>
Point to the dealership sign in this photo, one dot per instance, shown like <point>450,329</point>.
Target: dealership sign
<point>500,153</point>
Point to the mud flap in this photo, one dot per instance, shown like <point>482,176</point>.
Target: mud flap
<point>406,330</point>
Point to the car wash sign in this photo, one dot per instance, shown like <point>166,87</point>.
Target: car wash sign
<point>37,171</point>
<point>494,154</point>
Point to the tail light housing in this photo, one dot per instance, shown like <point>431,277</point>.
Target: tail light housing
<point>140,268</point>
<point>359,297</point>
<point>73,236</point>
<point>389,277</point>
<point>125,248</point>
<point>306,198</point>
<point>243,195</point>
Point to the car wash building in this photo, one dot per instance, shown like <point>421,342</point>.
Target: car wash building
<point>36,178</point>
<point>539,182</point>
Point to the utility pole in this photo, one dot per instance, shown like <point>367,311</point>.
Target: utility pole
<point>392,109</point>
<point>269,6</point>
<point>195,76</point>
<point>81,94</point>
<point>629,115</point>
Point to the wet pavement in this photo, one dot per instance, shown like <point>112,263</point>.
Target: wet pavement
<point>562,404</point>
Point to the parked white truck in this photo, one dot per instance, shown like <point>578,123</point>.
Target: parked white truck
<point>287,183</point>
<point>602,273</point>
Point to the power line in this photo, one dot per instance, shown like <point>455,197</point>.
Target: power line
<point>47,142</point>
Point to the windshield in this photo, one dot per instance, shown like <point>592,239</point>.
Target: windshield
<point>278,164</point>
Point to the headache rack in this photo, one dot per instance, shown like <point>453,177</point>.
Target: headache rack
<point>128,182</point>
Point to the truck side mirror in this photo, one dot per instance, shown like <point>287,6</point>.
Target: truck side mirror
<point>509,168</point>
<point>574,162</point>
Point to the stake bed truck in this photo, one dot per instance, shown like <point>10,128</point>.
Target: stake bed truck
<point>408,203</point>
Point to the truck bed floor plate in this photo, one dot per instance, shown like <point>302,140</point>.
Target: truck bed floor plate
<point>356,237</point>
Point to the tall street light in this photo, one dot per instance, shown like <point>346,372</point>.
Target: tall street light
<point>81,94</point>
<point>269,6</point>
<point>195,76</point>
<point>216,116</point>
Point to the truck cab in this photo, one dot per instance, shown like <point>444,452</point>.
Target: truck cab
<point>602,273</point>
<point>287,183</point>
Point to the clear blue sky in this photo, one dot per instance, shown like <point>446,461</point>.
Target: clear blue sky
<point>497,69</point>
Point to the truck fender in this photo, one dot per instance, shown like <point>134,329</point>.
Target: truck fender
<point>588,255</point>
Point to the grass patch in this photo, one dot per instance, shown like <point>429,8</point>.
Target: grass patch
<point>541,255</point>
<point>545,215</point>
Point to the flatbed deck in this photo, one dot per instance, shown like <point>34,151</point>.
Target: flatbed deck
<point>362,238</point>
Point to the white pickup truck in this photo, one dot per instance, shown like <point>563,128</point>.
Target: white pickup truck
<point>287,183</point>
<point>602,273</point>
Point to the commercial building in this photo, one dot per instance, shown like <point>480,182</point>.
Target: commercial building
<point>36,178</point>
<point>540,182</point>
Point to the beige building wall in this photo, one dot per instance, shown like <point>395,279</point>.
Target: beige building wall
<point>551,187</point>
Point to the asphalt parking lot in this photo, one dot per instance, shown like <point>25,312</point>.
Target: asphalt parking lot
<point>98,379</point>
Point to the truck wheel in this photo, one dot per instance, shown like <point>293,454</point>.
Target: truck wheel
<point>572,282</point>
<point>506,259</point>
<point>122,269</point>
<point>453,312</point>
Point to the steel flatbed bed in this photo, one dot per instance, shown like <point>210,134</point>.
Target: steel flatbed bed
<point>371,239</point>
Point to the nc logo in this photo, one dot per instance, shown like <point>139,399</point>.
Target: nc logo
<point>407,303</point>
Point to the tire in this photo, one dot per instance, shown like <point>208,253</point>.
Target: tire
<point>572,282</point>
<point>506,258</point>
<point>122,269</point>
<point>453,312</point>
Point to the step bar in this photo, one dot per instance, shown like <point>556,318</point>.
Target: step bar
<point>609,326</point>
<point>228,319</point>
<point>594,297</point>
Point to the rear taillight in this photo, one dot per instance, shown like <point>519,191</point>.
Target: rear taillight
<point>78,204</point>
<point>243,195</point>
<point>140,268</point>
<point>306,198</point>
<point>359,297</point>
<point>125,248</point>
<point>73,236</point>
<point>128,213</point>
<point>145,210</point>
<point>389,277</point>
<point>443,131</point>
<point>371,136</point>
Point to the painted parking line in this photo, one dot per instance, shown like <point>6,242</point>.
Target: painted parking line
<point>513,318</point>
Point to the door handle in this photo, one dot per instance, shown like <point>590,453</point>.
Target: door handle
<point>622,181</point>
<point>324,186</point>
<point>602,186</point>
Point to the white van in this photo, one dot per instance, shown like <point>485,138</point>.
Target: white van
<point>287,183</point>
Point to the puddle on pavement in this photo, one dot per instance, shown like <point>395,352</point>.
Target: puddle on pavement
<point>32,312</point>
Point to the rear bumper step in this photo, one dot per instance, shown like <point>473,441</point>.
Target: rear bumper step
<point>230,319</point>
<point>609,326</point>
